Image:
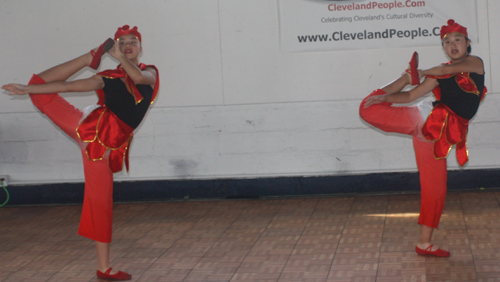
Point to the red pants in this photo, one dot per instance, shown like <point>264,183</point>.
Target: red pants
<point>97,212</point>
<point>433,173</point>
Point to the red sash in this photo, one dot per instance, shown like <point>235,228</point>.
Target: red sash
<point>446,129</point>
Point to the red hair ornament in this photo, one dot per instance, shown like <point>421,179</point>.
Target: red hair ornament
<point>452,27</point>
<point>124,30</point>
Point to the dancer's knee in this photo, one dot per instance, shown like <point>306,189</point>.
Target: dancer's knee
<point>364,112</point>
<point>369,113</point>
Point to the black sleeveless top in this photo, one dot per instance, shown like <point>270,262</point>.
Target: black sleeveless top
<point>461,102</point>
<point>119,100</point>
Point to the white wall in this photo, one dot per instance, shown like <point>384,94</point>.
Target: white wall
<point>230,103</point>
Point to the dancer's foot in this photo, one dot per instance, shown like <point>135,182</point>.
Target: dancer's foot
<point>413,70</point>
<point>431,251</point>
<point>120,275</point>
<point>97,54</point>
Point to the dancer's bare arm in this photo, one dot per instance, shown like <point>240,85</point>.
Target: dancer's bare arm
<point>404,96</point>
<point>82,85</point>
<point>471,64</point>
<point>146,76</point>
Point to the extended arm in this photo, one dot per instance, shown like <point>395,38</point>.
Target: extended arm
<point>82,85</point>
<point>470,64</point>
<point>404,96</point>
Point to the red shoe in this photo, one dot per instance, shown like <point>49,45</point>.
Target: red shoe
<point>96,55</point>
<point>436,253</point>
<point>413,69</point>
<point>120,275</point>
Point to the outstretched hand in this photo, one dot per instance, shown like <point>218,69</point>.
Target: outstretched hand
<point>16,89</point>
<point>375,99</point>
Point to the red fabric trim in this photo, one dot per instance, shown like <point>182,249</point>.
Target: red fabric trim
<point>103,130</point>
<point>446,128</point>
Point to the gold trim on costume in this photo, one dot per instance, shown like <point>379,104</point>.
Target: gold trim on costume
<point>105,76</point>
<point>445,157</point>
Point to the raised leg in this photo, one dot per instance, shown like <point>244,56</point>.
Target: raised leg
<point>57,109</point>
<point>397,85</point>
<point>65,70</point>
<point>405,120</point>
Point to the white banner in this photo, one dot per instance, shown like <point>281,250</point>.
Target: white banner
<point>323,25</point>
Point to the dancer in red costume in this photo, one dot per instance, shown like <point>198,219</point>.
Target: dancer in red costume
<point>435,126</point>
<point>103,131</point>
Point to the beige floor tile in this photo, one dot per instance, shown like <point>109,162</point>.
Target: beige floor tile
<point>366,238</point>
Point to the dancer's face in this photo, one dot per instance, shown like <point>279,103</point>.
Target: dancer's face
<point>130,46</point>
<point>455,44</point>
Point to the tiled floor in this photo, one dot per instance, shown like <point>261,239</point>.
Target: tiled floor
<point>366,238</point>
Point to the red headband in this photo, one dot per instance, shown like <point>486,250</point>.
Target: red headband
<point>452,27</point>
<point>124,30</point>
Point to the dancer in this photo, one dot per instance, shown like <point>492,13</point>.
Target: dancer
<point>103,131</point>
<point>435,126</point>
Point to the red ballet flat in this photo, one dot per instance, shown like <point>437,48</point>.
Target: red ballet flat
<point>413,69</point>
<point>120,275</point>
<point>428,252</point>
<point>96,55</point>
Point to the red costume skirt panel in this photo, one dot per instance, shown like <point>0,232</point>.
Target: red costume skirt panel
<point>433,173</point>
<point>97,212</point>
